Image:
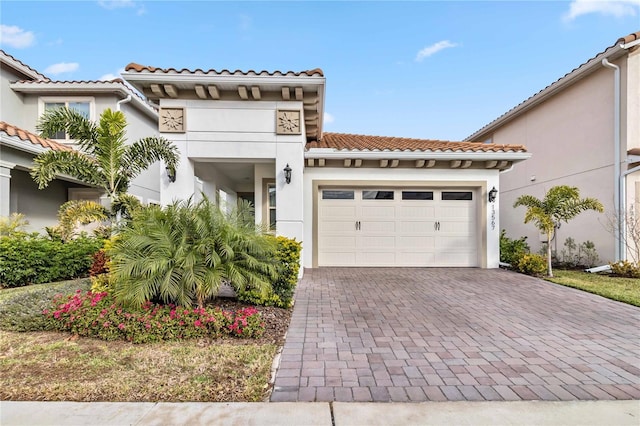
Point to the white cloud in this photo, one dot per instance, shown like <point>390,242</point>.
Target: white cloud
<point>116,4</point>
<point>434,48</point>
<point>110,76</point>
<point>617,8</point>
<point>16,37</point>
<point>121,4</point>
<point>245,22</point>
<point>61,68</point>
<point>328,118</point>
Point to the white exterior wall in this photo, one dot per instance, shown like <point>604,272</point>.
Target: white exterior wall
<point>241,131</point>
<point>481,179</point>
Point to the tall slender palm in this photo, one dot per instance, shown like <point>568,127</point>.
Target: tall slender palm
<point>560,204</point>
<point>104,159</point>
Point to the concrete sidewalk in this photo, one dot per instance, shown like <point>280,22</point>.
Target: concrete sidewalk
<point>322,413</point>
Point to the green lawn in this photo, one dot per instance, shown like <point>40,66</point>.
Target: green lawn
<point>625,290</point>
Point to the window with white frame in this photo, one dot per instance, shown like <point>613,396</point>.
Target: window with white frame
<point>84,106</point>
<point>271,205</point>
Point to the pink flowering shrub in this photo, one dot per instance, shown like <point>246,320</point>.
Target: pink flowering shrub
<point>97,315</point>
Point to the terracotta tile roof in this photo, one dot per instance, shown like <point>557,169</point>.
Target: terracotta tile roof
<point>39,74</point>
<point>634,151</point>
<point>32,138</point>
<point>349,142</point>
<point>626,39</point>
<point>141,68</point>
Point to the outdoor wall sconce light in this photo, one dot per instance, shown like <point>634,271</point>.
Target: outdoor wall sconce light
<point>493,194</point>
<point>287,173</point>
<point>171,174</point>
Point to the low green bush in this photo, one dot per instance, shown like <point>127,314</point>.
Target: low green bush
<point>33,259</point>
<point>512,250</point>
<point>532,264</point>
<point>98,315</point>
<point>21,308</point>
<point>284,286</point>
<point>625,269</point>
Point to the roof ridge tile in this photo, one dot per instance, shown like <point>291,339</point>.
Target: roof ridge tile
<point>27,136</point>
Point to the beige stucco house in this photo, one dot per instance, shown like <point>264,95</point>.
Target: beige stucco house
<point>24,95</point>
<point>582,130</point>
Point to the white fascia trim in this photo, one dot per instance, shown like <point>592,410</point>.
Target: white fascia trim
<point>71,87</point>
<point>631,44</point>
<point>331,154</point>
<point>592,65</point>
<point>23,68</point>
<point>19,144</point>
<point>223,79</point>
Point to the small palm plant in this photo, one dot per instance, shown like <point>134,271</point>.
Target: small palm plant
<point>183,253</point>
<point>560,204</point>
<point>104,160</point>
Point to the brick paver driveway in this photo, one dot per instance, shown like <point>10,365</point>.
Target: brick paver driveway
<point>413,334</point>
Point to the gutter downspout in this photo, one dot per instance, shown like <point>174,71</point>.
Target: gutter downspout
<point>123,101</point>
<point>617,198</point>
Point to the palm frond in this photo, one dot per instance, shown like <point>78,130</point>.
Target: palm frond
<point>76,164</point>
<point>144,152</point>
<point>75,212</point>
<point>76,125</point>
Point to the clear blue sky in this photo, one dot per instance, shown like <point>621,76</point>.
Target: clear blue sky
<point>437,70</point>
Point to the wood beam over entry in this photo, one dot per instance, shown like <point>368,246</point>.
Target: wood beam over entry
<point>200,91</point>
<point>286,93</point>
<point>157,90</point>
<point>171,90</point>
<point>466,164</point>
<point>490,164</point>
<point>321,162</point>
<point>255,92</point>
<point>454,164</point>
<point>394,163</point>
<point>311,162</point>
<point>384,163</point>
<point>242,91</point>
<point>347,162</point>
<point>420,163</point>
<point>213,91</point>
<point>358,162</point>
<point>430,164</point>
<point>299,94</point>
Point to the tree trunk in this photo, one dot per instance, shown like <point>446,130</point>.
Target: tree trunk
<point>549,271</point>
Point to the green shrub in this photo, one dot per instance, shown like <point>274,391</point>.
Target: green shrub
<point>625,269</point>
<point>512,250</point>
<point>183,253</point>
<point>32,259</point>
<point>532,264</point>
<point>283,288</point>
<point>21,308</point>
<point>98,315</point>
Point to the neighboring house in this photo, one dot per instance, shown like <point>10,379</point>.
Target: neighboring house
<point>24,95</point>
<point>582,130</point>
<point>352,200</point>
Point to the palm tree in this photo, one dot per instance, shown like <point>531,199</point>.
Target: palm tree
<point>183,253</point>
<point>105,159</point>
<point>560,204</point>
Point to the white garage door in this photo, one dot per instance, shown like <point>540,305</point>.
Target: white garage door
<point>397,227</point>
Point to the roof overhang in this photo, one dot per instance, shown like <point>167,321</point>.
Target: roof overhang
<point>417,159</point>
<point>84,87</point>
<point>310,90</point>
<point>20,67</point>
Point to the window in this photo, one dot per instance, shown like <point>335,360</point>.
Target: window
<point>82,105</point>
<point>417,195</point>
<point>377,195</point>
<point>271,205</point>
<point>337,195</point>
<point>457,195</point>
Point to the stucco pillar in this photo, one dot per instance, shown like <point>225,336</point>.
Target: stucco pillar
<point>5,188</point>
<point>290,196</point>
<point>184,185</point>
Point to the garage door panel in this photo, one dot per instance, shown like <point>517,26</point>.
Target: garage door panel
<point>375,212</point>
<point>377,226</point>
<point>416,212</point>
<point>415,227</point>
<point>416,258</point>
<point>337,258</point>
<point>403,231</point>
<point>379,242</point>
<point>376,258</point>
<point>416,242</point>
